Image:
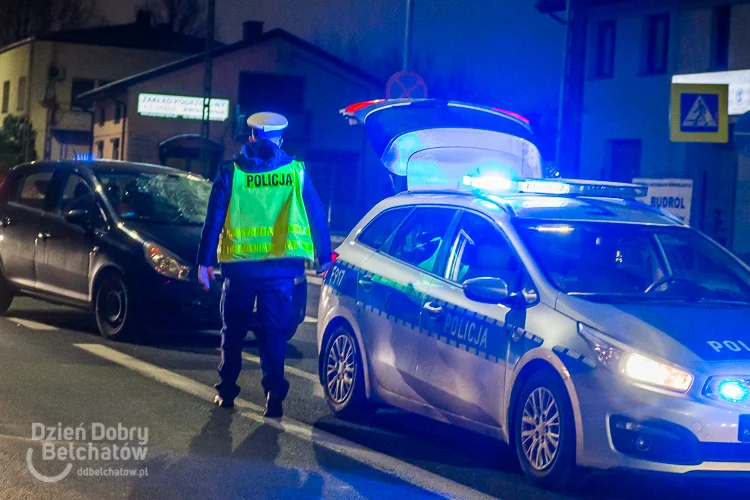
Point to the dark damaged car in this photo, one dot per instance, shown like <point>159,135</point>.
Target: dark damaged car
<point>116,238</point>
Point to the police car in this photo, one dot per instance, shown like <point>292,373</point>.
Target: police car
<point>582,327</point>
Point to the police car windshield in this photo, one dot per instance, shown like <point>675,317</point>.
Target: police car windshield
<point>619,261</point>
<point>158,198</point>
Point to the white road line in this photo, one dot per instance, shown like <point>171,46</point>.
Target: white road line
<point>32,324</point>
<point>314,280</point>
<point>317,391</point>
<point>402,470</point>
<point>310,319</point>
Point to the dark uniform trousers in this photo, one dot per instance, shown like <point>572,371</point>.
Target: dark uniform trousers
<point>274,316</point>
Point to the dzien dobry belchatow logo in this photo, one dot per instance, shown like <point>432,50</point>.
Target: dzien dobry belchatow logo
<point>87,444</point>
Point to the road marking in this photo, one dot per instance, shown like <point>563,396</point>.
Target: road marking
<point>310,319</point>
<point>317,391</point>
<point>402,470</point>
<point>314,280</point>
<point>32,324</point>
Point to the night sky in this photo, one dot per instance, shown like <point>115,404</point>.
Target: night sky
<point>509,47</point>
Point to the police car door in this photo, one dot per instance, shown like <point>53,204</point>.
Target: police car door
<point>391,290</point>
<point>464,364</point>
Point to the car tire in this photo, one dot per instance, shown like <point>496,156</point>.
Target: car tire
<point>6,296</point>
<point>543,411</point>
<point>344,394</point>
<point>115,315</point>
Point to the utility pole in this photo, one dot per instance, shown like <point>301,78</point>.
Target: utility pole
<point>407,34</point>
<point>207,80</point>
<point>571,99</point>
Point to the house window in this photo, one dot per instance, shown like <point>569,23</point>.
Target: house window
<point>100,149</point>
<point>102,115</point>
<point>720,37</point>
<point>656,44</point>
<point>78,87</point>
<point>21,103</point>
<point>6,96</point>
<point>118,113</point>
<point>116,148</point>
<point>604,55</point>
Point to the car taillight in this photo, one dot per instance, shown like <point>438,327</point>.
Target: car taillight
<point>334,256</point>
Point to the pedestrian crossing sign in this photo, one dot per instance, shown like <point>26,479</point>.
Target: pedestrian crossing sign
<point>699,113</point>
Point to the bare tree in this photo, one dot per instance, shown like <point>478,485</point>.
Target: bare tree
<point>26,18</point>
<point>182,16</point>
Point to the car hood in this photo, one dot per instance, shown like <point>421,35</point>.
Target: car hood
<point>432,142</point>
<point>181,240</point>
<point>678,332</point>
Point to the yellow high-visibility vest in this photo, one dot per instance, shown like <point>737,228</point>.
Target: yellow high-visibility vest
<point>266,218</point>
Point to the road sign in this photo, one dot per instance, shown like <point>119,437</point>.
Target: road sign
<point>742,134</point>
<point>406,85</point>
<point>671,195</point>
<point>698,113</point>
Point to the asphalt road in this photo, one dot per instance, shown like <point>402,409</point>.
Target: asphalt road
<point>56,372</point>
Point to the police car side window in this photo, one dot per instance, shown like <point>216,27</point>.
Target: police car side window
<point>479,250</point>
<point>379,229</point>
<point>420,238</point>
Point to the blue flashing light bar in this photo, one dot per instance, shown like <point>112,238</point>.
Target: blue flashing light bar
<point>734,391</point>
<point>496,184</point>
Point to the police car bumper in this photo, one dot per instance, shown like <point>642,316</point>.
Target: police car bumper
<point>625,426</point>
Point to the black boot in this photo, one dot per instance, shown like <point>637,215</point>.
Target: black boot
<point>274,408</point>
<point>223,402</point>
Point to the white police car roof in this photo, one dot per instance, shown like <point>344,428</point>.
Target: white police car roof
<point>542,207</point>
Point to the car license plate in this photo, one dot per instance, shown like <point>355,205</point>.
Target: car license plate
<point>744,430</point>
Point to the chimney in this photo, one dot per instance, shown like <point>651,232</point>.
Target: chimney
<point>252,30</point>
<point>143,18</point>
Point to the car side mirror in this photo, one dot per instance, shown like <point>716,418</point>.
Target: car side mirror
<point>492,291</point>
<point>78,217</point>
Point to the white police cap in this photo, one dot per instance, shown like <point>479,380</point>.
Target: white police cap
<point>267,121</point>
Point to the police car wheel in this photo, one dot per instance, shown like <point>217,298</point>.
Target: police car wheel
<point>113,310</point>
<point>343,377</point>
<point>544,432</point>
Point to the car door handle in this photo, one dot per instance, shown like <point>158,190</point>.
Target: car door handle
<point>366,282</point>
<point>44,235</point>
<point>432,309</point>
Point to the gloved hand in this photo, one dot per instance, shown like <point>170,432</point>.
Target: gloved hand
<point>206,276</point>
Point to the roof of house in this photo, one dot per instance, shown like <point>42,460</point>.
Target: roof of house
<point>141,34</point>
<point>228,49</point>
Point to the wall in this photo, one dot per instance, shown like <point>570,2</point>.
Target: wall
<point>14,64</point>
<point>82,61</point>
<point>631,106</point>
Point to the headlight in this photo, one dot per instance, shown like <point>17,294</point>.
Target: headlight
<point>633,365</point>
<point>165,262</point>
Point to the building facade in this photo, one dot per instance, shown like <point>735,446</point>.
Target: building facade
<point>40,77</point>
<point>634,51</point>
<point>272,71</point>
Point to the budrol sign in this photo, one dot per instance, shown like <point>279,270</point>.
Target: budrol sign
<point>671,195</point>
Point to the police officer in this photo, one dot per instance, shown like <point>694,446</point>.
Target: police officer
<point>264,221</point>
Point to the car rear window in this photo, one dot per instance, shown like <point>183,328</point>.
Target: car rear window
<point>380,228</point>
<point>32,189</point>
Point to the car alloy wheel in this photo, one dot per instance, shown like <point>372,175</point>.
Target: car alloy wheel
<point>341,369</point>
<point>540,428</point>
